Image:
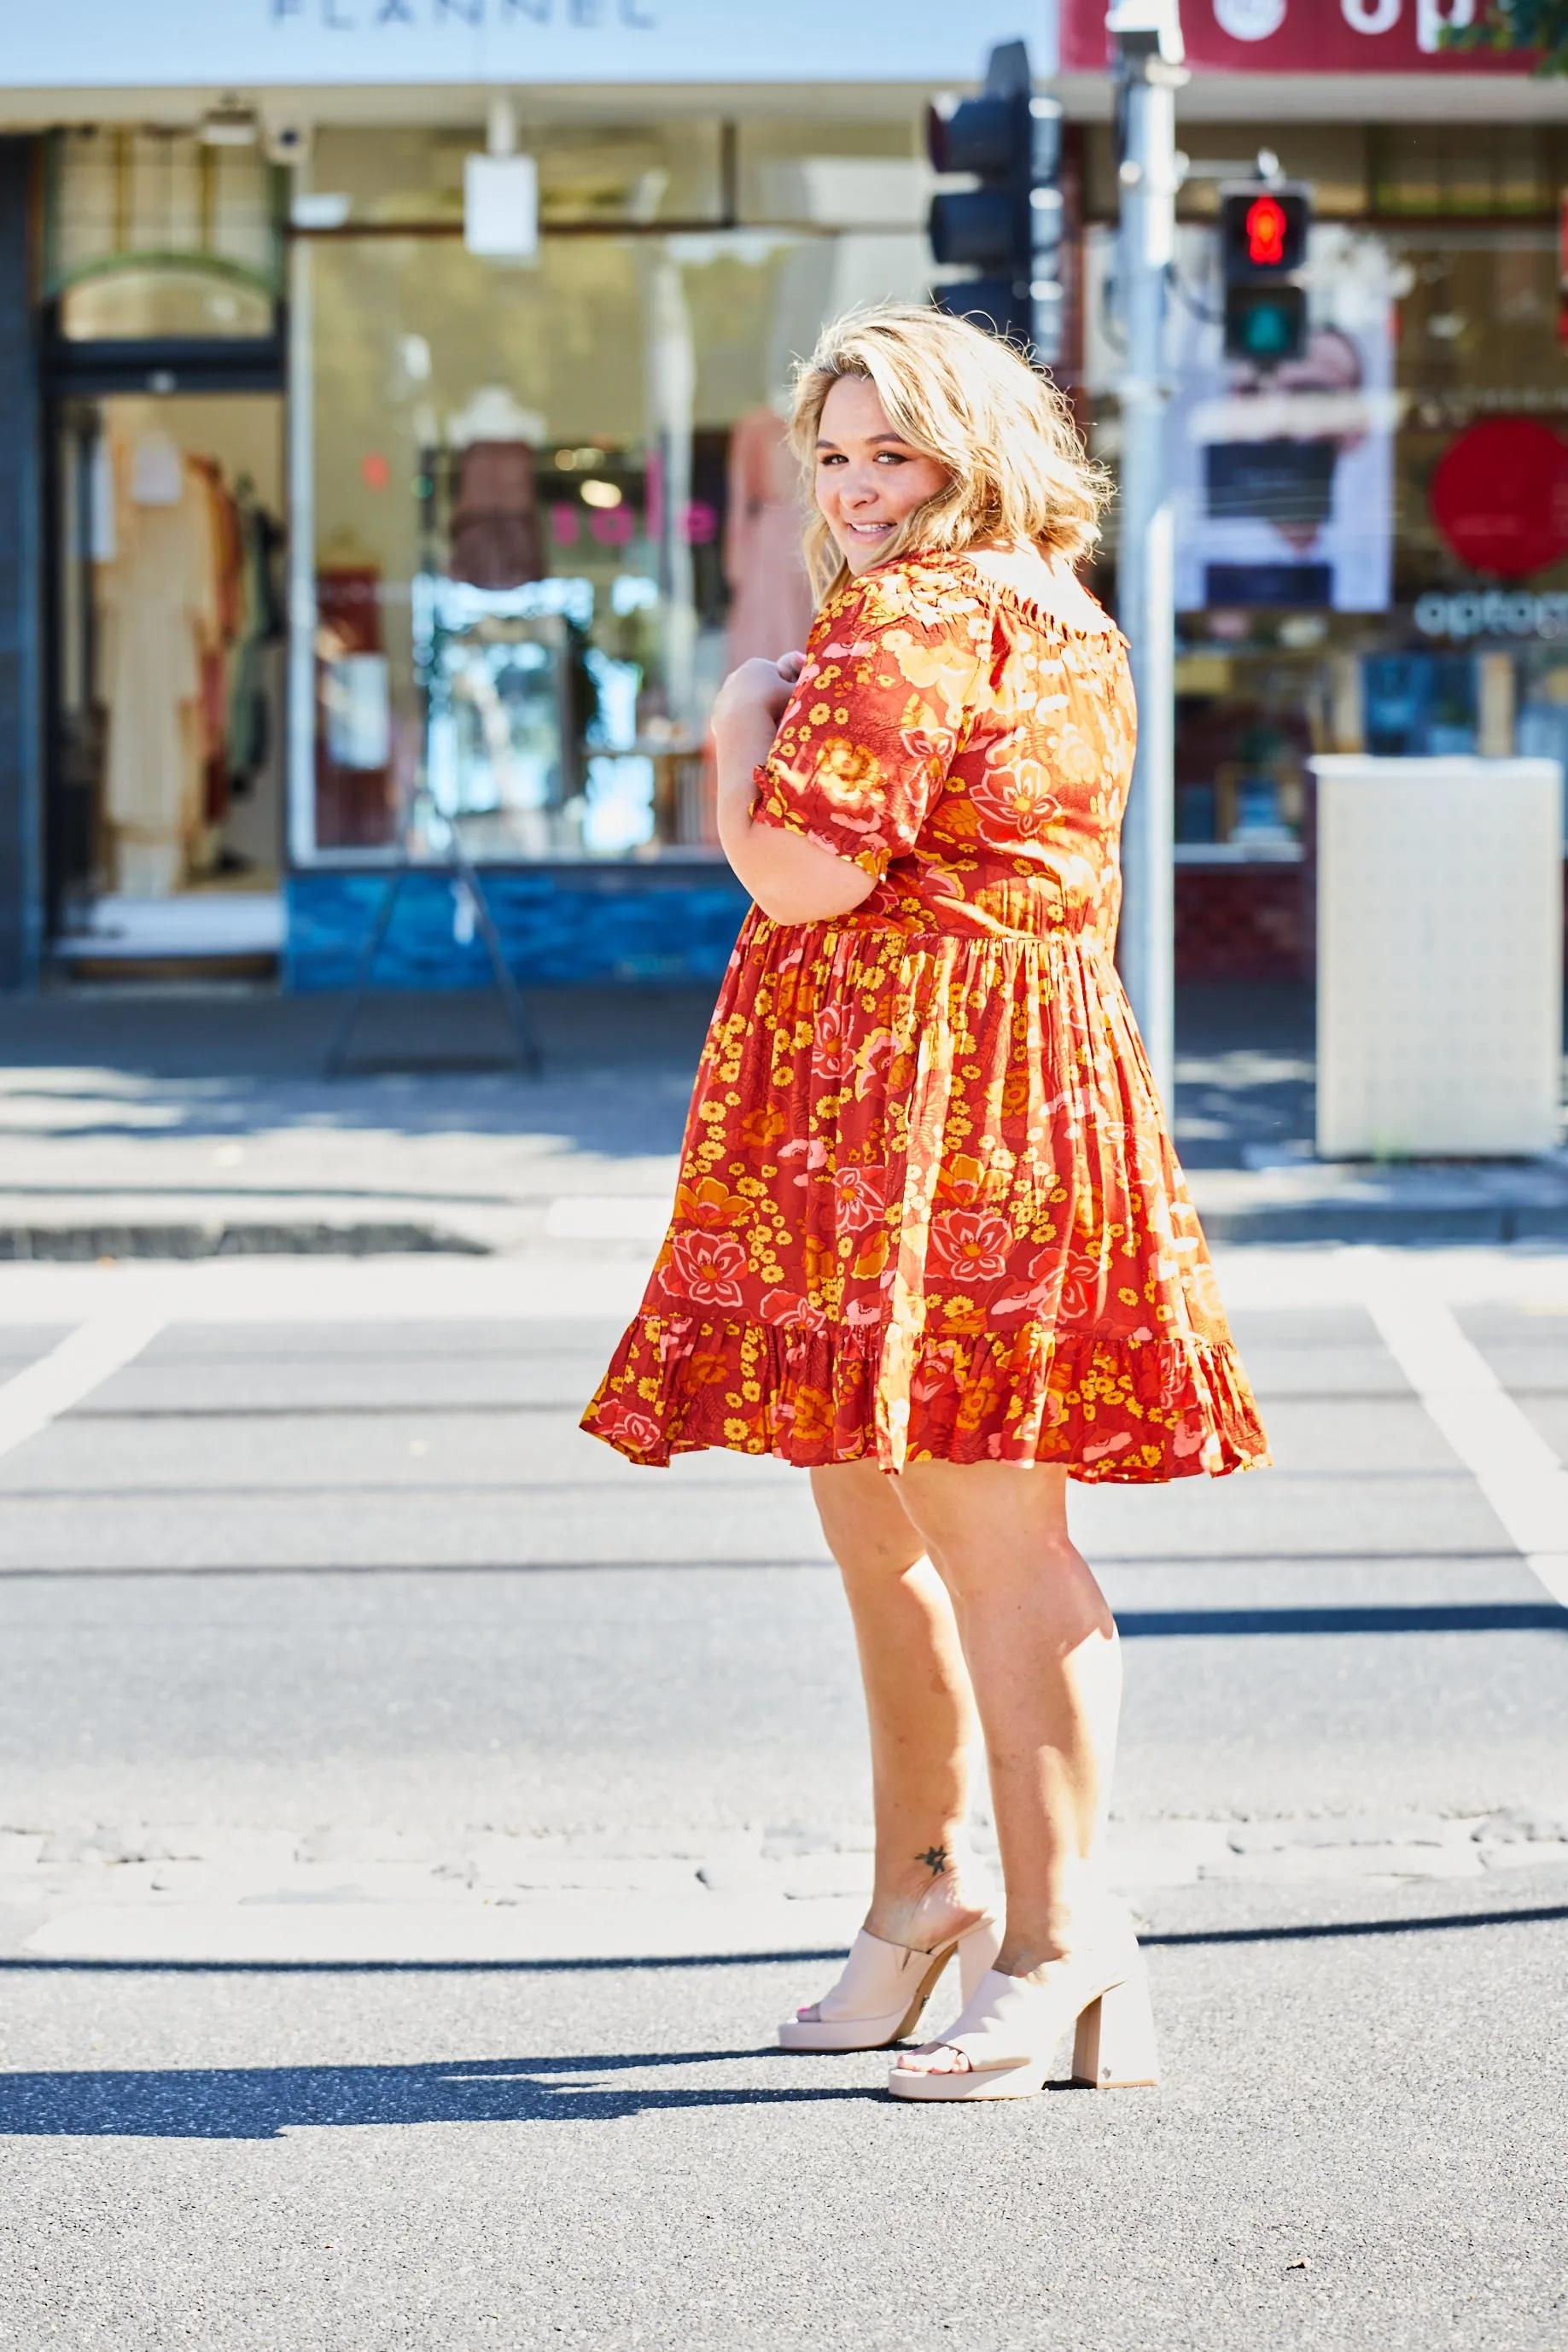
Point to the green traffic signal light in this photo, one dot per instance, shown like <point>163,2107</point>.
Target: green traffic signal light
<point>1265,324</point>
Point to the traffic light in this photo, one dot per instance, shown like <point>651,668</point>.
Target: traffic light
<point>1010,227</point>
<point>1263,246</point>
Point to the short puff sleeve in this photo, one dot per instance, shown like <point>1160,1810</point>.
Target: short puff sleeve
<point>867,739</point>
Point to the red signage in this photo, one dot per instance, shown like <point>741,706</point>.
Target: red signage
<point>1361,36</point>
<point>1499,497</point>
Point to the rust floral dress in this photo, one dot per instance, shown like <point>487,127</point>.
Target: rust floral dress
<point>928,1207</point>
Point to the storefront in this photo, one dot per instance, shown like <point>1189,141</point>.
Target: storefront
<point>346,535</point>
<point>1371,542</point>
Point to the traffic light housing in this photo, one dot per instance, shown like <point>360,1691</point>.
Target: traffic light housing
<point>1263,232</point>
<point>1010,227</point>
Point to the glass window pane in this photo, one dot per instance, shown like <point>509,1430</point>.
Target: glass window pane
<point>551,507</point>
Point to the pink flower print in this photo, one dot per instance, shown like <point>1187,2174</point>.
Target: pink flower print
<point>1079,1290</point>
<point>832,1052</point>
<point>1041,1295</point>
<point>1015,804</point>
<point>709,1266</point>
<point>634,1431</point>
<point>859,1198</point>
<point>795,1313</point>
<point>970,1245</point>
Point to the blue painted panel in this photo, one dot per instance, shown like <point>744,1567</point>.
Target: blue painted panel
<point>621,924</point>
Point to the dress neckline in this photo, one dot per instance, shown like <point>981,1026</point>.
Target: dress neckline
<point>1035,608</point>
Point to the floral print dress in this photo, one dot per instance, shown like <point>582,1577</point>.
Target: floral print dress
<point>928,1207</point>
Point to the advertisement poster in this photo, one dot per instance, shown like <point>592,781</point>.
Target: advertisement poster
<point>1284,478</point>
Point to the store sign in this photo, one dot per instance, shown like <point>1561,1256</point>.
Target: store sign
<point>247,44</point>
<point>1492,612</point>
<point>1316,36</point>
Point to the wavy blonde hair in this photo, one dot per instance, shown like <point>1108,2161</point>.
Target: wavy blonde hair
<point>1017,466</point>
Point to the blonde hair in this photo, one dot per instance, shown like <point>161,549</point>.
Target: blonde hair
<point>1017,472</point>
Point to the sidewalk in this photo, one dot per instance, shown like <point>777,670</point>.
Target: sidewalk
<point>168,1125</point>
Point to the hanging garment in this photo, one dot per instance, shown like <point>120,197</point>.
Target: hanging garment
<point>770,608</point>
<point>496,539</point>
<point>260,626</point>
<point>158,607</point>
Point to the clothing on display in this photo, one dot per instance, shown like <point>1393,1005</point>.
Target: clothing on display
<point>179,609</point>
<point>770,607</point>
<point>497,540</point>
<point>353,788</point>
<point>260,624</point>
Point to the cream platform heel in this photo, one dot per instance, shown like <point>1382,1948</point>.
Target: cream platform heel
<point>1010,2029</point>
<point>884,1988</point>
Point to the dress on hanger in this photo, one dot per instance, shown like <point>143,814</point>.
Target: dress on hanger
<point>158,603</point>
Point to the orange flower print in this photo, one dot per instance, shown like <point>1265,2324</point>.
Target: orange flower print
<point>970,1245</point>
<point>812,1417</point>
<point>711,1203</point>
<point>962,1179</point>
<point>758,1127</point>
<point>710,1267</point>
<point>858,1197</point>
<point>849,773</point>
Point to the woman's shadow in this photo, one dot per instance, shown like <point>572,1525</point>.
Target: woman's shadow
<point>260,2102</point>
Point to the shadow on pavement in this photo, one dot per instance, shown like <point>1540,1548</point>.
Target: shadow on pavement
<point>1309,1931</point>
<point>261,2101</point>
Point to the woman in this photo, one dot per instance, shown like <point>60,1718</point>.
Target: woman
<point>930,1239</point>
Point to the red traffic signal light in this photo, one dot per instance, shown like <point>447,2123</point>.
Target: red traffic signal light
<point>1264,223</point>
<point>1263,232</point>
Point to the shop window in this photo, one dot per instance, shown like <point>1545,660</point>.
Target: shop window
<point>548,506</point>
<point>151,234</point>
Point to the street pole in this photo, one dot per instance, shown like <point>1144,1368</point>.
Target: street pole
<point>1148,37</point>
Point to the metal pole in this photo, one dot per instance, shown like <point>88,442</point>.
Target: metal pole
<point>1150,73</point>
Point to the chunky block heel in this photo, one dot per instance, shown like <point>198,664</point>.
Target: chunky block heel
<point>1010,2026</point>
<point>1114,2047</point>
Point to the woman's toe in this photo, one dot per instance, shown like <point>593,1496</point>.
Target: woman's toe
<point>810,2016</point>
<point>939,2058</point>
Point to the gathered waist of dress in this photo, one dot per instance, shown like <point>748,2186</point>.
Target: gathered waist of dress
<point>1083,926</point>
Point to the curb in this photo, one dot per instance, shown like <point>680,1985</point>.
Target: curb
<point>1397,1223</point>
<point>78,1244</point>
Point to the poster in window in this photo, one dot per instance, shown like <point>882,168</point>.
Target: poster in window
<point>1283,478</point>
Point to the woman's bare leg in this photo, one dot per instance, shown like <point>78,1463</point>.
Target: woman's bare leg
<point>1041,1644</point>
<point>918,1703</point>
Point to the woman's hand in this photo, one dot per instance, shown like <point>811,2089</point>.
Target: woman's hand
<point>758,692</point>
<point>794,881</point>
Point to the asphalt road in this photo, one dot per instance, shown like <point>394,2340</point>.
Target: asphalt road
<point>412,1821</point>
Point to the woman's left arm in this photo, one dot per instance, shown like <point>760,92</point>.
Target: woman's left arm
<point>792,879</point>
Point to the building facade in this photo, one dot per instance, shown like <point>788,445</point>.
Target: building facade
<point>329,536</point>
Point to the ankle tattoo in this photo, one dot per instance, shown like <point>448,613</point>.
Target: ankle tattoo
<point>935,1858</point>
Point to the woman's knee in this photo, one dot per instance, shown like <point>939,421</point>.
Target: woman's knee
<point>868,1530</point>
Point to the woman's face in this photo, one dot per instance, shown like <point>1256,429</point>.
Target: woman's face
<point>869,477</point>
